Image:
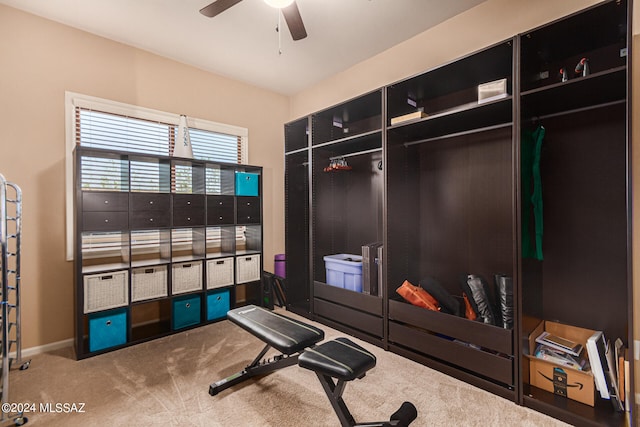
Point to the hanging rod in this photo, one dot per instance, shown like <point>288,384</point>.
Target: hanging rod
<point>466,132</point>
<point>356,153</point>
<point>578,110</point>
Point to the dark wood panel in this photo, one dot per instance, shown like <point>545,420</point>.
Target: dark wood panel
<point>150,202</point>
<point>105,221</point>
<point>296,135</point>
<point>470,331</point>
<point>297,284</point>
<point>478,361</point>
<point>188,201</point>
<point>597,34</point>
<point>450,79</point>
<point>105,201</point>
<point>466,199</point>
<point>461,119</point>
<point>248,210</point>
<point>149,219</point>
<point>363,302</point>
<point>348,316</point>
<point>505,391</point>
<point>348,207</point>
<point>571,411</point>
<point>372,339</point>
<point>598,88</point>
<point>220,210</point>
<point>188,217</point>
<point>584,177</point>
<point>348,119</point>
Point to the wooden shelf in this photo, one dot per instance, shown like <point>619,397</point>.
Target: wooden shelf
<point>574,412</point>
<point>605,87</point>
<point>468,117</point>
<point>124,245</point>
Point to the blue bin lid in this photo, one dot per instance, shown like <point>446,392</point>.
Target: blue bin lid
<point>346,259</point>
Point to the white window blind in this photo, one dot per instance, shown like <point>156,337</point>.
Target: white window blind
<point>97,129</point>
<point>99,123</point>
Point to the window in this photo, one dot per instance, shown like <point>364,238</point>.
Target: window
<point>101,123</point>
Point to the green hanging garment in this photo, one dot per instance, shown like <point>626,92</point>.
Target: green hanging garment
<point>532,223</point>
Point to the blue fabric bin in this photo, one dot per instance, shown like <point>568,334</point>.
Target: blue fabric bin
<point>217,304</point>
<point>107,329</point>
<point>246,184</point>
<point>186,311</point>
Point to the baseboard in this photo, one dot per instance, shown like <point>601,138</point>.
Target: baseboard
<point>32,351</point>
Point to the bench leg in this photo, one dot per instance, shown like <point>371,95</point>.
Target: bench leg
<point>257,367</point>
<point>401,418</point>
<point>334,393</point>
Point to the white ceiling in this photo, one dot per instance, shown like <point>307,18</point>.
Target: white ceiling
<point>242,43</point>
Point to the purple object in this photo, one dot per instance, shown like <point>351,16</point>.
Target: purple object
<point>279,265</point>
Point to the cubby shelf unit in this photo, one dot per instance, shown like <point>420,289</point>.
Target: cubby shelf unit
<point>162,244</point>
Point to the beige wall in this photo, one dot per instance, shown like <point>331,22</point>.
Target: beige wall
<point>39,61</point>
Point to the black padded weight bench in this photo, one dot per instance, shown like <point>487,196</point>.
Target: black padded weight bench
<point>288,336</point>
<point>346,361</point>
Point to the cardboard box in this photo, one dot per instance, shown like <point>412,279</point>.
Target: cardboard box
<point>561,380</point>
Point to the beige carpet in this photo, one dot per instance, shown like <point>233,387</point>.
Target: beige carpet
<point>165,382</point>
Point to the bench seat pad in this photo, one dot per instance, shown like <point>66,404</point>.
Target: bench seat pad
<point>340,358</point>
<point>286,335</point>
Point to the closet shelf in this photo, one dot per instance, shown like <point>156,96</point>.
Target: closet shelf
<point>351,138</point>
<point>598,88</point>
<point>354,144</point>
<point>467,117</point>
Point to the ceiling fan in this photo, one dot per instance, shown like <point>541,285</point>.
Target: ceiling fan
<point>289,10</point>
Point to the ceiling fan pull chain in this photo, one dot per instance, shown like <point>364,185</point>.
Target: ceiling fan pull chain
<point>279,35</point>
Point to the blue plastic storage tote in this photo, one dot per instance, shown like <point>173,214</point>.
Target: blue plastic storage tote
<point>344,271</point>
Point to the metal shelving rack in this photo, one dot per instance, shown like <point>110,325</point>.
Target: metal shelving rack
<point>10,243</point>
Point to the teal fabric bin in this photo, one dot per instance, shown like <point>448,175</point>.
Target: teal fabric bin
<point>186,311</point>
<point>107,329</point>
<point>246,184</point>
<point>218,304</point>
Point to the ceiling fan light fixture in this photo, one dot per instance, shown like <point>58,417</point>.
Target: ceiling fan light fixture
<point>278,4</point>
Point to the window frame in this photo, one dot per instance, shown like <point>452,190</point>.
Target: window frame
<point>74,100</point>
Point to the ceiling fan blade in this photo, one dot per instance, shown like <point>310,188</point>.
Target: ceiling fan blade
<point>217,7</point>
<point>294,21</point>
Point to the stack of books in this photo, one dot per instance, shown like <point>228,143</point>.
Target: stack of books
<point>561,351</point>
